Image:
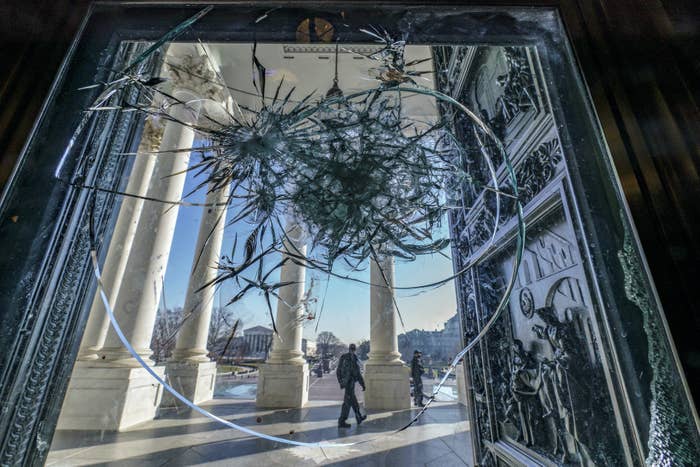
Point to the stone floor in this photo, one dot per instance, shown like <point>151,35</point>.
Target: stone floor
<point>179,437</point>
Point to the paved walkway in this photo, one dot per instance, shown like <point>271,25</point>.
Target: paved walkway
<point>179,437</point>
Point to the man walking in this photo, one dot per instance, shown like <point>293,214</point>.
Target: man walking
<point>417,375</point>
<point>348,373</point>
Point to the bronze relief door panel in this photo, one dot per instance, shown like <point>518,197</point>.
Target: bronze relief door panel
<point>556,380</point>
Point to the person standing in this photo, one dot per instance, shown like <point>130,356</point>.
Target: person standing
<point>348,374</point>
<point>417,375</point>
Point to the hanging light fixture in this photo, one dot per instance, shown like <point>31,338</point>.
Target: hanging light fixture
<point>335,90</point>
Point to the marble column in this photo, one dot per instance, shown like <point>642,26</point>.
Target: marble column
<point>283,381</point>
<point>114,392</point>
<point>386,376</point>
<point>190,370</point>
<point>122,239</point>
<point>140,293</point>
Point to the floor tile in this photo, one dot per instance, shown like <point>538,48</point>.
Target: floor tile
<point>179,437</point>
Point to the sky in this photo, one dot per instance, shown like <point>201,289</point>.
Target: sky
<point>345,311</point>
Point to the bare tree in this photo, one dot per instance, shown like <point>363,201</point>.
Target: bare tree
<point>240,350</point>
<point>222,331</point>
<point>164,333</point>
<point>222,322</point>
<point>326,342</point>
<point>363,349</point>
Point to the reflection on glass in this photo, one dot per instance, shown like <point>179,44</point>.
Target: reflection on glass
<point>307,223</point>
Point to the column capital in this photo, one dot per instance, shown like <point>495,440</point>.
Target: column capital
<point>195,73</point>
<point>152,136</point>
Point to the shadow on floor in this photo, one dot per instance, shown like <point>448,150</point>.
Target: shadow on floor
<point>442,451</point>
<point>440,433</point>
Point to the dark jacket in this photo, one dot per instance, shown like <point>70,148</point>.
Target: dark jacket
<point>417,370</point>
<point>348,371</point>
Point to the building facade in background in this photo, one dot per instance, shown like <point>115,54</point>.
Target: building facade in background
<point>257,341</point>
<point>437,346</point>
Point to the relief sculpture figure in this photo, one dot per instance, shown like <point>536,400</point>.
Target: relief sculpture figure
<point>516,85</point>
<point>555,384</point>
<point>525,389</point>
<point>539,394</point>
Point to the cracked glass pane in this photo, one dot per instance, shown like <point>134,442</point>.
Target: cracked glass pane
<point>355,243</point>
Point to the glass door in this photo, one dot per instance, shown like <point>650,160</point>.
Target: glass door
<point>241,224</point>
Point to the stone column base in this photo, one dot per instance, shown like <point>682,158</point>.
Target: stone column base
<point>461,384</point>
<point>194,380</point>
<point>283,386</point>
<point>388,387</point>
<point>100,397</point>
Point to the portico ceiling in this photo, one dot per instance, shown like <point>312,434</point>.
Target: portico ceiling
<point>310,69</point>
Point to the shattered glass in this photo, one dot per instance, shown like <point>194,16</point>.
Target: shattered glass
<point>671,432</point>
<point>358,176</point>
<point>412,173</point>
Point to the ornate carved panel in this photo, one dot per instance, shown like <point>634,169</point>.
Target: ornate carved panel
<point>543,383</point>
<point>549,380</point>
<point>34,394</point>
